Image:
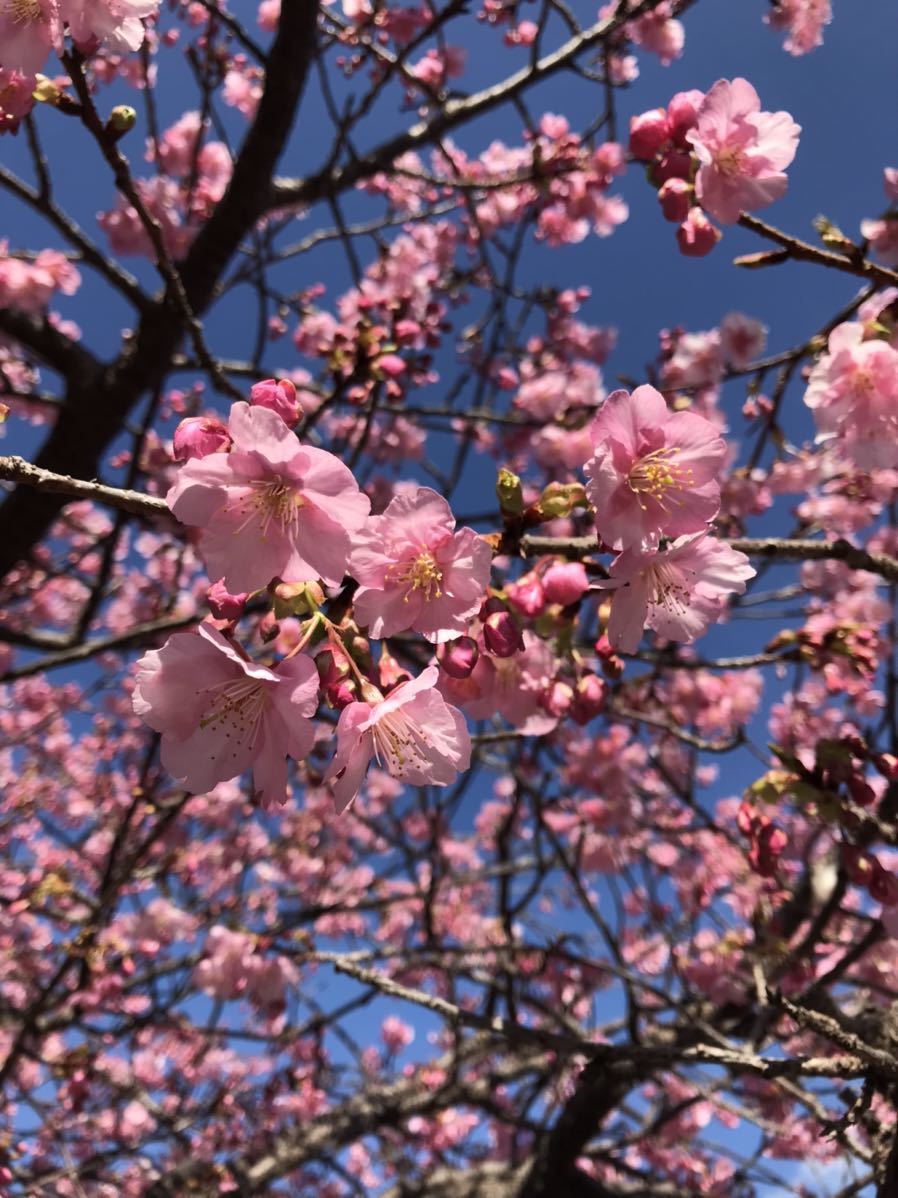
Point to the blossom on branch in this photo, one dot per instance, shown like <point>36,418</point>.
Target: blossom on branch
<point>678,592</point>
<point>270,507</point>
<point>219,714</point>
<point>413,733</point>
<point>653,472</point>
<point>416,570</point>
<point>742,151</point>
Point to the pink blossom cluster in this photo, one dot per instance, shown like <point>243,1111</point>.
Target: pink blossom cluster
<point>29,283</point>
<point>32,29</point>
<point>714,155</point>
<point>16,98</point>
<point>802,21</point>
<point>192,178</point>
<point>270,510</point>
<point>653,482</point>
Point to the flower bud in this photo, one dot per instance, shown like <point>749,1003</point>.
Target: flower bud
<point>222,604</point>
<point>682,113</point>
<point>198,436</point>
<point>673,165</point>
<point>269,628</point>
<point>883,886</point>
<point>121,120</point>
<point>565,582</point>
<point>589,698</point>
<point>501,634</point>
<point>696,236</point>
<point>390,365</point>
<point>560,499</point>
<point>459,657</point>
<point>337,682</point>
<point>278,395</point>
<point>648,133</point>
<point>510,493</point>
<point>675,197</point>
<point>558,699</point>
<point>861,792</point>
<point>527,595</point>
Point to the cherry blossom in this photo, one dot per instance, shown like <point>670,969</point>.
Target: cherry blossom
<point>677,592</point>
<point>416,571</point>
<point>653,472</point>
<point>269,507</point>
<point>742,151</point>
<point>219,714</point>
<point>412,731</point>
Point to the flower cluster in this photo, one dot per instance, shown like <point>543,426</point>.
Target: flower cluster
<point>714,155</point>
<point>653,478</point>
<point>31,29</point>
<point>273,513</point>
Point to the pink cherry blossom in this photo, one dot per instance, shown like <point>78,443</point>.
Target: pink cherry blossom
<point>413,732</point>
<point>653,472</point>
<point>803,21</point>
<point>678,592</point>
<point>118,24</point>
<point>853,393</point>
<point>416,570</point>
<point>742,151</point>
<point>271,507</point>
<point>29,30</point>
<point>219,714</point>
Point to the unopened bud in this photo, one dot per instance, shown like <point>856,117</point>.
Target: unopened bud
<point>696,236</point>
<point>121,120</point>
<point>560,499</point>
<point>278,395</point>
<point>501,634</point>
<point>649,131</point>
<point>510,493</point>
<point>269,628</point>
<point>459,657</point>
<point>565,582</point>
<point>589,698</point>
<point>198,436</point>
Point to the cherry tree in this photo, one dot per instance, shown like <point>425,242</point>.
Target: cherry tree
<point>392,803</point>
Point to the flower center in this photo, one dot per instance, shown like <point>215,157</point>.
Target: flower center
<point>668,589</point>
<point>236,708</point>
<point>730,161</point>
<point>657,477</point>
<point>23,12</point>
<point>399,743</point>
<point>421,574</point>
<point>271,502</point>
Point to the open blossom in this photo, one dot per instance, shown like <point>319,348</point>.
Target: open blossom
<point>742,151</point>
<point>220,714</point>
<point>416,570</point>
<point>653,472</point>
<point>413,733</point>
<point>853,393</point>
<point>116,23</point>
<point>270,507</point>
<point>678,592</point>
<point>29,30</point>
<point>803,21</point>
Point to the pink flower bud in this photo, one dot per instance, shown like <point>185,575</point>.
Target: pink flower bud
<point>558,699</point>
<point>682,112</point>
<point>861,792</point>
<point>883,886</point>
<point>648,133</point>
<point>676,197</point>
<point>589,698</point>
<point>502,635</point>
<point>887,764</point>
<point>222,604</point>
<point>198,436</point>
<point>696,236</point>
<point>269,628</point>
<point>337,682</point>
<point>459,657</point>
<point>278,395</point>
<point>565,583</point>
<point>527,595</point>
<point>674,165</point>
<point>391,365</point>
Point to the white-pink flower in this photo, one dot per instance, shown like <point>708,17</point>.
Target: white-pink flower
<point>29,30</point>
<point>742,151</point>
<point>678,592</point>
<point>853,393</point>
<point>413,733</point>
<point>653,472</point>
<point>220,714</point>
<point>116,23</point>
<point>270,507</point>
<point>416,570</point>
